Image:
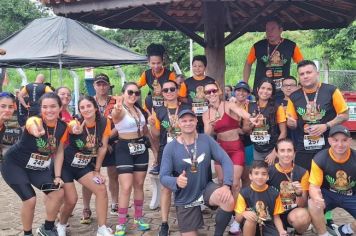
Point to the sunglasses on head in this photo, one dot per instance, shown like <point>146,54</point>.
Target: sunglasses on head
<point>171,89</point>
<point>207,92</point>
<point>7,95</point>
<point>131,92</point>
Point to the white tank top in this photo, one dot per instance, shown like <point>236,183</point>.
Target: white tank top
<point>128,123</point>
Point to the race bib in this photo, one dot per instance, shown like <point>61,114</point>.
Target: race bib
<point>278,83</point>
<point>198,202</point>
<point>157,101</point>
<point>199,107</point>
<point>260,137</point>
<point>38,162</point>
<point>81,160</point>
<point>136,148</point>
<point>313,142</point>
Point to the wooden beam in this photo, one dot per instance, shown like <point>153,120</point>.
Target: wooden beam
<point>228,16</point>
<point>327,9</point>
<point>175,24</point>
<point>124,16</point>
<point>292,19</point>
<point>312,10</point>
<point>352,2</point>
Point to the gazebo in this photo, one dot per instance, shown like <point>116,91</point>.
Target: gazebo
<point>221,21</point>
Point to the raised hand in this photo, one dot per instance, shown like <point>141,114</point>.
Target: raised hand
<point>78,128</point>
<point>37,129</point>
<point>151,118</point>
<point>291,122</point>
<point>182,180</point>
<point>118,104</point>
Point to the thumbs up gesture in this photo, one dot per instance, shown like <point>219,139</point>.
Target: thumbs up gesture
<point>77,127</point>
<point>37,129</point>
<point>182,180</point>
<point>291,122</point>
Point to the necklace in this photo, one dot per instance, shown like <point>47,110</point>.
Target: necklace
<point>137,118</point>
<point>173,118</point>
<point>192,155</point>
<point>51,139</point>
<point>274,50</point>
<point>289,178</point>
<point>102,107</point>
<point>217,115</point>
<point>91,140</point>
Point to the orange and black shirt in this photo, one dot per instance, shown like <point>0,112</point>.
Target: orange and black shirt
<point>193,88</point>
<point>329,173</point>
<point>148,78</point>
<point>107,108</point>
<point>35,91</point>
<point>282,180</point>
<point>275,62</point>
<point>265,203</point>
<point>329,104</point>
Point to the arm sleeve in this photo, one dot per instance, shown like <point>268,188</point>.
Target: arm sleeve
<point>220,155</point>
<point>305,181</point>
<point>107,130</point>
<point>182,90</point>
<point>316,175</point>
<point>251,57</point>
<point>166,177</point>
<point>65,136</point>
<point>240,205</point>
<point>142,81</point>
<point>48,89</point>
<point>278,207</point>
<point>280,115</point>
<point>291,110</point>
<point>297,55</point>
<point>339,102</point>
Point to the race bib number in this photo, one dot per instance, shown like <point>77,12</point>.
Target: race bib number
<point>136,148</point>
<point>260,137</point>
<point>313,142</point>
<point>157,101</point>
<point>81,160</point>
<point>199,107</point>
<point>38,162</point>
<point>278,83</point>
<point>198,202</point>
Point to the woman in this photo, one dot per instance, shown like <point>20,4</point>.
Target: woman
<point>28,163</point>
<point>65,95</point>
<point>131,155</point>
<point>270,125</point>
<point>7,108</point>
<point>83,157</point>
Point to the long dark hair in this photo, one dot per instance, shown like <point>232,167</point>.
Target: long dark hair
<point>137,104</point>
<point>271,103</point>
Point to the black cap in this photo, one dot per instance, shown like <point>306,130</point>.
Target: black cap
<point>185,112</point>
<point>243,85</point>
<point>101,77</point>
<point>339,129</point>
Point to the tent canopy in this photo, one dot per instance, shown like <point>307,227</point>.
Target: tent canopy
<point>62,42</point>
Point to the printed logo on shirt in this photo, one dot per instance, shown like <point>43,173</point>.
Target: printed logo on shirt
<point>287,194</point>
<point>262,211</point>
<point>312,113</point>
<point>342,184</point>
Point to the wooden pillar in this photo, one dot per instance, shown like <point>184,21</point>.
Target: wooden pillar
<point>214,26</point>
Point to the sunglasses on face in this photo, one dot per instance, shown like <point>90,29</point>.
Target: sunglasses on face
<point>131,92</point>
<point>207,92</point>
<point>171,89</point>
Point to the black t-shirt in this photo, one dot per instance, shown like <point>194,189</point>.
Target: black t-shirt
<point>35,91</point>
<point>195,88</point>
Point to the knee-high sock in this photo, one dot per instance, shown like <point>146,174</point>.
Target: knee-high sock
<point>222,219</point>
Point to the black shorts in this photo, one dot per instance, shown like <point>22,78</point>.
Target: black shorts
<point>109,159</point>
<point>20,179</point>
<point>22,119</point>
<point>284,219</point>
<point>70,173</point>
<point>127,163</point>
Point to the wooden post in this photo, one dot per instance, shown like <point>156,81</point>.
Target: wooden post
<point>214,26</point>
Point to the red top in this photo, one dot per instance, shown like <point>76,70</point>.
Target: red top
<point>226,123</point>
<point>66,116</point>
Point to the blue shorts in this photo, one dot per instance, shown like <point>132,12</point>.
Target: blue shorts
<point>333,200</point>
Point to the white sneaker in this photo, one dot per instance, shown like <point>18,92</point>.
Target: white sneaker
<point>104,231</point>
<point>235,228</point>
<point>61,229</point>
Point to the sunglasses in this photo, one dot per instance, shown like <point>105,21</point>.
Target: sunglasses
<point>171,89</point>
<point>131,92</point>
<point>7,95</point>
<point>207,92</point>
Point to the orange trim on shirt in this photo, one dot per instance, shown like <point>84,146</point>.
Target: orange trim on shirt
<point>240,205</point>
<point>279,168</point>
<point>297,55</point>
<point>280,115</point>
<point>290,110</point>
<point>316,175</point>
<point>24,90</point>
<point>107,130</point>
<point>264,188</point>
<point>339,102</point>
<point>183,90</point>
<point>305,181</point>
<point>65,136</point>
<point>313,90</point>
<point>251,58</point>
<point>347,156</point>
<point>278,206</point>
<point>48,89</point>
<point>172,76</point>
<point>142,81</point>
<point>199,77</point>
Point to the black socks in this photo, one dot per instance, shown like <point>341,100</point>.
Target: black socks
<point>222,219</point>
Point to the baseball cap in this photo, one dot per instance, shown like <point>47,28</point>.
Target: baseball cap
<point>102,77</point>
<point>243,85</point>
<point>185,112</point>
<point>339,129</point>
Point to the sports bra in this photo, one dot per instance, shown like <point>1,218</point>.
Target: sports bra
<point>226,123</point>
<point>128,123</point>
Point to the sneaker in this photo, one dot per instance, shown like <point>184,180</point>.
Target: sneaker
<point>41,231</point>
<point>114,209</point>
<point>235,229</point>
<point>120,230</point>
<point>141,225</point>
<point>155,170</point>
<point>86,217</point>
<point>340,233</point>
<point>164,230</point>
<point>331,227</point>
<point>61,229</point>
<point>104,231</point>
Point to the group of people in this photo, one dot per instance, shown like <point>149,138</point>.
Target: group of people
<point>282,159</point>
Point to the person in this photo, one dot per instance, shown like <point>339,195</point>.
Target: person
<point>292,183</point>
<point>164,124</point>
<point>271,124</point>
<point>259,205</point>
<point>7,108</point>
<point>186,170</point>
<point>333,181</point>
<point>273,55</point>
<point>65,95</point>
<point>28,163</point>
<point>180,78</point>
<point>192,89</point>
<point>311,111</point>
<point>34,91</point>
<point>83,157</point>
<point>22,112</point>
<point>228,93</point>
<point>131,155</point>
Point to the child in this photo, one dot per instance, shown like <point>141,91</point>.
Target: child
<point>258,206</point>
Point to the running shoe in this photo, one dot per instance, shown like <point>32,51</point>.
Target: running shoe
<point>235,229</point>
<point>104,231</point>
<point>164,230</point>
<point>114,209</point>
<point>331,227</point>
<point>41,231</point>
<point>120,230</point>
<point>86,217</point>
<point>141,225</point>
<point>155,170</point>
<point>340,233</point>
<point>61,229</point>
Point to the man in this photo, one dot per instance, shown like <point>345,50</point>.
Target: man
<point>34,91</point>
<point>333,181</point>
<point>273,55</point>
<point>105,104</point>
<point>186,170</point>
